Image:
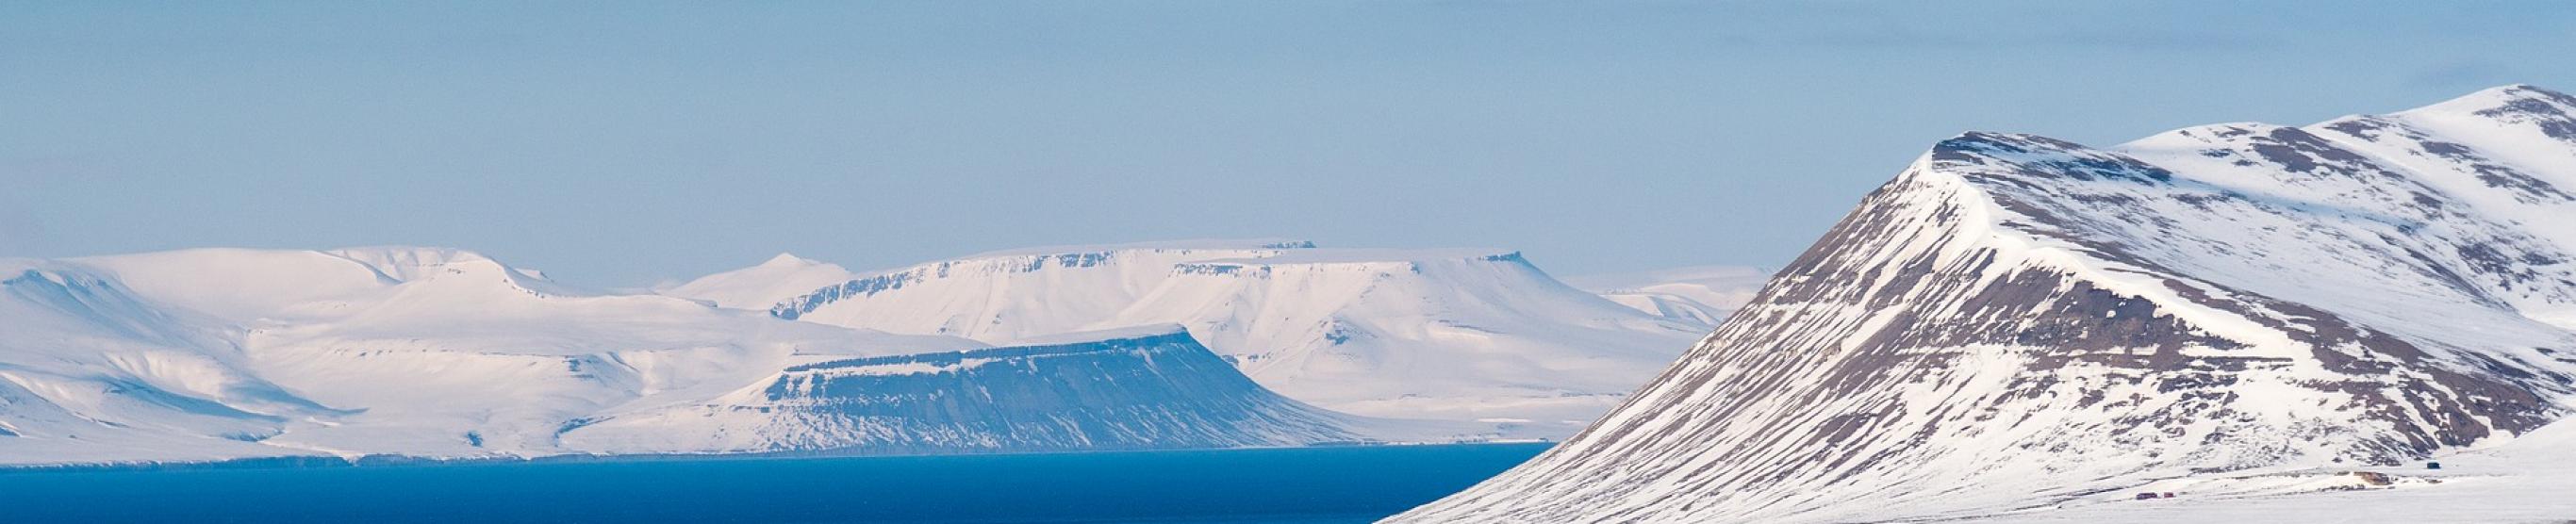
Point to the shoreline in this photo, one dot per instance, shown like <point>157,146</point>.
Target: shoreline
<point>305,462</point>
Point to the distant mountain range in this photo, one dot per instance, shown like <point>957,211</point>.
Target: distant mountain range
<point>2024,328</point>
<point>1460,335</point>
<point>213,354</point>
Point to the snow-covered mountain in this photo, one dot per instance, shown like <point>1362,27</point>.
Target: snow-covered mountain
<point>94,372</point>
<point>783,277</point>
<point>1702,295</point>
<point>2017,323</point>
<point>223,353</point>
<point>1149,388</point>
<point>1458,335</point>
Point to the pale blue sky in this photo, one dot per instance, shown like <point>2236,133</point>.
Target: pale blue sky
<point>621,144</point>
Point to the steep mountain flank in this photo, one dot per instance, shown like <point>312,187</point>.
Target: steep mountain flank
<point>2017,322</point>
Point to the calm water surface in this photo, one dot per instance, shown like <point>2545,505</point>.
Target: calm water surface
<point>1265,486</point>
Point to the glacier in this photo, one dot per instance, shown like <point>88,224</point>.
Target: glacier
<point>2026,329</point>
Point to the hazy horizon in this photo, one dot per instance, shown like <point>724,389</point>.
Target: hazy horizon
<point>620,145</point>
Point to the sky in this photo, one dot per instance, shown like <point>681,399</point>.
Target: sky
<point>631,143</point>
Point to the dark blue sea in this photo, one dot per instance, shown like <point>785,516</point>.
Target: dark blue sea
<point>1266,486</point>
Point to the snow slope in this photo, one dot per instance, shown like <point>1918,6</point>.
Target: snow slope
<point>2017,322</point>
<point>1457,335</point>
<point>2521,481</point>
<point>93,373</point>
<point>225,353</point>
<point>783,277</point>
<point>1702,295</point>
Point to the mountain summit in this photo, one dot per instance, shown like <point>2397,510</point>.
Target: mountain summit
<point>2017,322</point>
<point>782,277</point>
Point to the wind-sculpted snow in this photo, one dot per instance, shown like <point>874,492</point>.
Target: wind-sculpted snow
<point>225,353</point>
<point>89,370</point>
<point>2017,322</point>
<point>1154,391</point>
<point>1458,335</point>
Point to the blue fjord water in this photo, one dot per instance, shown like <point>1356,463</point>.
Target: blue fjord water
<point>1248,486</point>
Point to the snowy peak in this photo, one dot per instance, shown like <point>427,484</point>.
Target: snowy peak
<point>2040,156</point>
<point>2215,210</point>
<point>2017,322</point>
<point>759,287</point>
<point>2517,103</point>
<point>785,259</point>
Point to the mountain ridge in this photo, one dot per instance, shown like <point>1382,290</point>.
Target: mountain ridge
<point>1448,334</point>
<point>2017,322</point>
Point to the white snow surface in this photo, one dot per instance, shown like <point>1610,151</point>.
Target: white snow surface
<point>1438,334</point>
<point>2521,481</point>
<point>2019,327</point>
<point>212,354</point>
<point>1702,295</point>
<point>757,287</point>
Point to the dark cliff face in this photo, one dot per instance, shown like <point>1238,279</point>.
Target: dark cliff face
<point>1162,391</point>
<point>2019,320</point>
<point>873,285</point>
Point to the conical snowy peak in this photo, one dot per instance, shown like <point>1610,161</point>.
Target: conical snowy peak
<point>2018,322</point>
<point>759,287</point>
<point>789,260</point>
